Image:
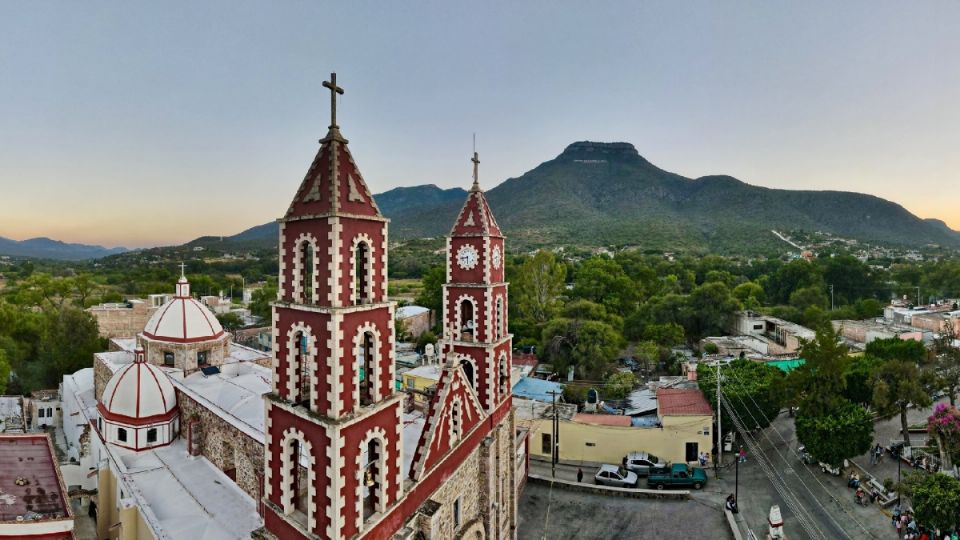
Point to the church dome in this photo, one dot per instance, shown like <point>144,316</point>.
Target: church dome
<point>183,319</point>
<point>138,393</point>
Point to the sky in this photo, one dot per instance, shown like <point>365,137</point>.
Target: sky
<point>139,124</point>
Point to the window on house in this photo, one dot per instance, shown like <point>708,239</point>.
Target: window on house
<point>167,358</point>
<point>456,513</point>
<point>152,435</point>
<point>41,413</point>
<point>410,383</point>
<point>201,358</point>
<point>121,434</point>
<point>545,443</point>
<point>49,412</point>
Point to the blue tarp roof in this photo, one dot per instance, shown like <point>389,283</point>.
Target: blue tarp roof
<point>536,389</point>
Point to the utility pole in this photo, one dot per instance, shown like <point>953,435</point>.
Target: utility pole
<point>831,298</point>
<point>555,446</point>
<point>719,428</point>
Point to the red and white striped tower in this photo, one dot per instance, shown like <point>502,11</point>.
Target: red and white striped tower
<point>475,299</point>
<point>333,419</point>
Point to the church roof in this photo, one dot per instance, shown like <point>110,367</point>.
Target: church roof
<point>333,183</point>
<point>183,319</point>
<point>138,393</point>
<point>476,218</point>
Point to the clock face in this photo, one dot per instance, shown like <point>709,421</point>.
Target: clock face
<point>467,257</point>
<point>496,257</point>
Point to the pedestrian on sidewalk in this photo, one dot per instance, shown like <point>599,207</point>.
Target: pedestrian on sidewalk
<point>703,459</point>
<point>742,456</point>
<point>877,454</point>
<point>579,475</point>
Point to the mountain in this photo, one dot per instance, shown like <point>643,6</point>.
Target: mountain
<point>46,248</point>
<point>596,194</point>
<point>606,193</point>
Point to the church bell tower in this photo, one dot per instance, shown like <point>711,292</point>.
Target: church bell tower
<point>475,299</point>
<point>333,416</point>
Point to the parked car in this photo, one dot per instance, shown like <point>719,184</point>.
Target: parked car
<point>642,462</point>
<point>677,475</point>
<point>612,475</point>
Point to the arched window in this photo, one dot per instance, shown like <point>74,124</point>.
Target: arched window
<point>300,480</point>
<point>498,327</point>
<point>372,488</point>
<point>300,357</point>
<point>468,372</point>
<point>297,477</point>
<point>366,364</point>
<point>467,322</point>
<point>306,256</point>
<point>504,374</point>
<point>362,270</point>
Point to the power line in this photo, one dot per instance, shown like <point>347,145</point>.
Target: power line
<point>741,386</point>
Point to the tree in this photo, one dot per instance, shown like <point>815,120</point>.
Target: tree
<point>84,286</point>
<point>603,281</point>
<point>812,296</point>
<point>4,371</point>
<point>431,295</point>
<point>619,385</point>
<point>935,498</point>
<point>230,321</point>
<point>754,390</point>
<point>843,432</point>
<point>791,277</point>
<point>900,383</point>
<point>535,290</point>
<point>750,294</point>
<point>710,310</point>
<point>907,350</point>
<point>589,346</point>
<point>944,426</point>
<point>665,335</point>
<point>261,299</point>
<point>859,377</point>
<point>70,337</point>
<point>947,363</point>
<point>819,384</point>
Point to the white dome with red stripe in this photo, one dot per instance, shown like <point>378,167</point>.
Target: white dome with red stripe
<point>138,393</point>
<point>183,319</point>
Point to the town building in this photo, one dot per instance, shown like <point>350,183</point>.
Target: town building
<point>678,432</point>
<point>415,319</point>
<point>33,497</point>
<point>44,409</point>
<point>779,336</point>
<point>12,418</point>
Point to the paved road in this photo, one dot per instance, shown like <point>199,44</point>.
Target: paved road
<point>827,499</point>
<point>556,514</point>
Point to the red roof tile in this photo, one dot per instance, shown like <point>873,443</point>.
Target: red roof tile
<point>602,419</point>
<point>682,401</point>
<point>520,359</point>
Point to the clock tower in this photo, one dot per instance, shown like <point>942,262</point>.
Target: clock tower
<point>475,299</point>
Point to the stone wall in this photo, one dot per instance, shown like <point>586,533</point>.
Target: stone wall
<point>224,445</point>
<point>185,354</point>
<point>101,376</point>
<point>117,320</point>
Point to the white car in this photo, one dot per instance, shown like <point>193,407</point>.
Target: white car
<point>612,475</point>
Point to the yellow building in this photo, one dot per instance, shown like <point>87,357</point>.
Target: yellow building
<point>680,431</point>
<point>418,380</point>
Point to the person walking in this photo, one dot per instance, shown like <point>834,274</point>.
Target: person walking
<point>579,475</point>
<point>742,456</point>
<point>877,454</point>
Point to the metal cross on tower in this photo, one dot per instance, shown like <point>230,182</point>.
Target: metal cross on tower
<point>183,270</point>
<point>334,90</point>
<point>476,170</point>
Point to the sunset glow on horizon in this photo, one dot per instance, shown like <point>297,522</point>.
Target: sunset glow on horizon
<point>144,125</point>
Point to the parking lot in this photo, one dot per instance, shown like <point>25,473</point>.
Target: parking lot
<point>546,513</point>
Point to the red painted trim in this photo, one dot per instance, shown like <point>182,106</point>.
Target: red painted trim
<point>182,340</point>
<point>204,313</point>
<point>183,313</point>
<point>138,389</point>
<point>129,420</point>
<point>159,319</point>
<point>159,388</point>
<point>122,375</point>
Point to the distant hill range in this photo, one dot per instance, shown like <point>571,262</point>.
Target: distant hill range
<point>598,194</point>
<point>45,248</point>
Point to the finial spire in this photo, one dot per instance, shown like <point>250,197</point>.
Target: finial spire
<point>476,171</point>
<point>334,90</point>
<point>183,270</point>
